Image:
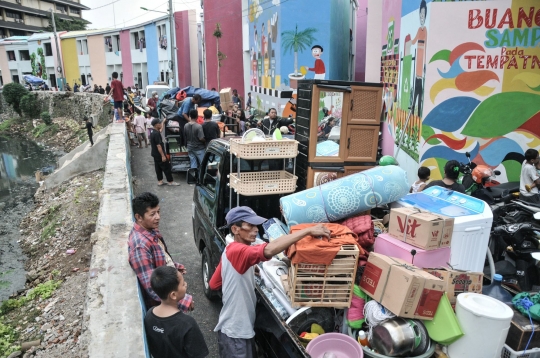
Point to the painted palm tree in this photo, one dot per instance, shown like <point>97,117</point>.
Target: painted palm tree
<point>294,41</point>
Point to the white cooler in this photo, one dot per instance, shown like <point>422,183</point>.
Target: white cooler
<point>472,223</point>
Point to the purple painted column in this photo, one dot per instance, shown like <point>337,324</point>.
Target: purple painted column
<point>125,49</point>
<point>361,32</point>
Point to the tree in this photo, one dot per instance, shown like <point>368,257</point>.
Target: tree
<point>67,25</point>
<point>220,55</point>
<point>13,92</point>
<point>294,41</point>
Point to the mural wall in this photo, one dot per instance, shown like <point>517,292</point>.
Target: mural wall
<point>285,47</point>
<point>469,74</point>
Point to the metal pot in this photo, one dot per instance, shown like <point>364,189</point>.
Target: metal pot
<point>398,336</point>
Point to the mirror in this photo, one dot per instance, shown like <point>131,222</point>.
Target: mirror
<point>192,175</point>
<point>329,123</point>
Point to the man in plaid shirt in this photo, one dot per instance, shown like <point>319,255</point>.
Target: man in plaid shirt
<point>147,250</point>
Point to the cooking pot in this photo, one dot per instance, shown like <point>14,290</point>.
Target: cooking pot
<point>399,336</point>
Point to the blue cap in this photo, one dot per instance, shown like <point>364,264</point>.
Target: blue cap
<point>497,277</point>
<point>244,213</point>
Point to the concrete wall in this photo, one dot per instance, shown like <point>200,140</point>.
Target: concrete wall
<point>4,65</point>
<point>113,313</point>
<point>96,50</point>
<point>230,20</point>
<point>125,50</point>
<point>71,61</point>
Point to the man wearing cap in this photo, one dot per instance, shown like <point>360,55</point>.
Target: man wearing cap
<point>235,276</point>
<point>161,164</point>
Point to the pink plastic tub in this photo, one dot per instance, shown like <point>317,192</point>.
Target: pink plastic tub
<point>341,345</point>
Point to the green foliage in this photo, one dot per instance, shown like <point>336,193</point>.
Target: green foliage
<point>33,64</point>
<point>217,31</point>
<point>46,118</point>
<point>30,105</point>
<point>44,128</point>
<point>4,126</point>
<point>43,291</point>
<point>13,92</point>
<point>42,62</point>
<point>73,24</point>
<point>50,222</point>
<point>8,336</point>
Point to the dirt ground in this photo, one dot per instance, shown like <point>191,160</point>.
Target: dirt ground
<point>60,223</point>
<point>63,135</point>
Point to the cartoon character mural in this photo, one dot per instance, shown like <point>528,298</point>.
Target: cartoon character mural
<point>480,83</point>
<point>319,69</point>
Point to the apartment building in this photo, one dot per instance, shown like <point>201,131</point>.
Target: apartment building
<point>25,17</point>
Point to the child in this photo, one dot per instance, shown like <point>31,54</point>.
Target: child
<point>423,177</point>
<point>148,122</point>
<point>533,185</point>
<point>170,332</point>
<point>88,126</point>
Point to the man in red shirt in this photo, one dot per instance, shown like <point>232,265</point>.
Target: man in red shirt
<point>117,93</point>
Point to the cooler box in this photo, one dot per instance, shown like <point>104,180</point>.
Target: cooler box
<point>385,244</point>
<point>472,223</point>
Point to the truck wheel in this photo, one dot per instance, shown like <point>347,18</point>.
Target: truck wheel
<point>207,272</point>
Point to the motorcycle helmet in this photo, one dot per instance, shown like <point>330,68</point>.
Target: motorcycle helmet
<point>481,174</point>
<point>181,95</point>
<point>387,160</point>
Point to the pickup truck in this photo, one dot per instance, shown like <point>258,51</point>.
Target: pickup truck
<point>211,201</point>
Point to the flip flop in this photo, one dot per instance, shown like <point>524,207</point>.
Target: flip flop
<point>160,184</point>
<point>173,184</point>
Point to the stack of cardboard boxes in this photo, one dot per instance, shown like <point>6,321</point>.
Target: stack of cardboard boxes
<point>225,97</point>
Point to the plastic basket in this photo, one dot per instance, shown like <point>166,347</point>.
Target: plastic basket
<point>263,183</point>
<point>269,149</point>
<point>508,352</point>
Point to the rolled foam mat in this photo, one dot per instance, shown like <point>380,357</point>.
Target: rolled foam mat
<point>346,196</point>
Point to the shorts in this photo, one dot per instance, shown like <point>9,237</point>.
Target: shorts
<point>236,347</point>
<point>141,136</point>
<point>118,104</point>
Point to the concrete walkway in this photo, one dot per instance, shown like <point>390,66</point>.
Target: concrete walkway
<point>177,230</point>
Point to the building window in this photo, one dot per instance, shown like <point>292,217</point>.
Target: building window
<point>24,55</point>
<point>117,40</point>
<point>136,40</point>
<point>48,49</point>
<point>74,11</point>
<point>13,15</point>
<point>11,56</point>
<point>61,8</point>
<point>17,33</point>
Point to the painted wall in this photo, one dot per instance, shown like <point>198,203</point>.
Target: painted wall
<point>4,65</point>
<point>322,52</point>
<point>96,50</point>
<point>229,16</point>
<point>183,49</point>
<point>71,61</point>
<point>475,89</point>
<point>361,33</point>
<point>125,51</point>
<point>152,60</point>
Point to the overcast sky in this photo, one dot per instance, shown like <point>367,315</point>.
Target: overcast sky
<point>128,12</point>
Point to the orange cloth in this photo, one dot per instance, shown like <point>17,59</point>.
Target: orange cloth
<point>321,251</point>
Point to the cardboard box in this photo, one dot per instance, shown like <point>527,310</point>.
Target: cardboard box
<point>420,228</point>
<point>404,289</point>
<point>520,332</point>
<point>458,281</point>
<point>225,95</point>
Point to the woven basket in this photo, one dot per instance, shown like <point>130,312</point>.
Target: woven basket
<point>269,149</point>
<point>263,183</point>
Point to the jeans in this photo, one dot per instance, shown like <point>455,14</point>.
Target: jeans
<point>196,157</point>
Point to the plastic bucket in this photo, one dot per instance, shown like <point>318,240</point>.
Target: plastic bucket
<point>444,328</point>
<point>485,322</point>
<point>341,345</point>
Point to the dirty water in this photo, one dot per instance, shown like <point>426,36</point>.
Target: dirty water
<point>19,160</point>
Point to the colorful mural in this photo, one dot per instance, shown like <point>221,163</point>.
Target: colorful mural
<point>482,85</point>
<point>285,47</point>
<point>468,75</point>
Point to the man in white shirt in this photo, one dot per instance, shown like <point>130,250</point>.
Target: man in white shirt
<point>528,177</point>
<point>140,128</point>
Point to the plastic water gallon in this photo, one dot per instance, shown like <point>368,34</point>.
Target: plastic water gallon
<point>485,322</point>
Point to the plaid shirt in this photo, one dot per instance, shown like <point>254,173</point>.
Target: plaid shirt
<point>145,254</point>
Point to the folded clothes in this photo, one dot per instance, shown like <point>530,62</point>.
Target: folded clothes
<point>320,251</point>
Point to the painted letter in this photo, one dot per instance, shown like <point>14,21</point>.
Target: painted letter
<point>535,61</point>
<point>469,58</point>
<point>480,61</point>
<point>525,59</point>
<point>474,15</point>
<point>493,36</point>
<point>523,17</point>
<point>504,60</point>
<point>521,38</point>
<point>506,19</point>
<point>493,19</point>
<point>492,62</point>
<point>513,63</point>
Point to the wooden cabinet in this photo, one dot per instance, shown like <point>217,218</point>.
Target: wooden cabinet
<point>365,105</point>
<point>362,142</point>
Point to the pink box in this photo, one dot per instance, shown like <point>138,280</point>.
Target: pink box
<point>389,246</point>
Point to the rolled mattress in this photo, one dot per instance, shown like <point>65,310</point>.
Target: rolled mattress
<point>346,196</point>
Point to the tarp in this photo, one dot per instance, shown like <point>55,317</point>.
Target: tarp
<point>208,97</point>
<point>33,80</point>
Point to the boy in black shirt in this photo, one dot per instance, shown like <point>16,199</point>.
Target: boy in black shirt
<point>161,164</point>
<point>170,332</point>
<point>210,128</point>
<point>88,125</point>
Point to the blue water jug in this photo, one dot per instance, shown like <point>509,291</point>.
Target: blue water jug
<point>496,291</point>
